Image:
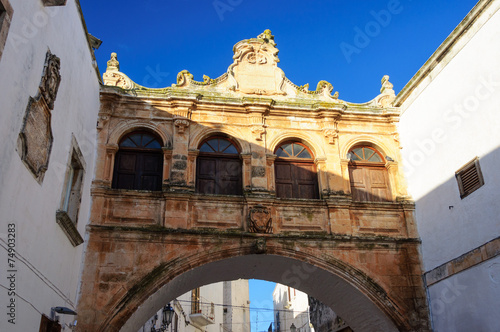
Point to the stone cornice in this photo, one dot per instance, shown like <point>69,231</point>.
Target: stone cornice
<point>171,97</point>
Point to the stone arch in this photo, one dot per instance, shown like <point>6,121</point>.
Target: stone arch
<point>202,133</point>
<point>126,127</point>
<point>353,294</point>
<point>314,143</point>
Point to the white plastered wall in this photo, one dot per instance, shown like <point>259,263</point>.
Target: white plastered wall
<point>47,264</point>
<point>445,124</point>
<point>451,117</point>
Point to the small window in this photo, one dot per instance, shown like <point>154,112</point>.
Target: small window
<point>175,327</point>
<point>218,168</point>
<point>67,215</point>
<point>365,154</point>
<point>368,175</point>
<point>469,178</point>
<point>139,162</point>
<point>73,188</point>
<point>195,301</point>
<point>295,172</point>
<point>48,325</point>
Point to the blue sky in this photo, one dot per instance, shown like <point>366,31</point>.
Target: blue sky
<point>318,40</point>
<point>350,44</point>
<point>261,304</point>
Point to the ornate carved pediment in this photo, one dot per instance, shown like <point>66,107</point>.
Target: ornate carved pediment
<point>254,73</point>
<point>259,220</point>
<point>255,67</point>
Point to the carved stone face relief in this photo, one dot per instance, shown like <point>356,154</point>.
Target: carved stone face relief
<point>260,220</point>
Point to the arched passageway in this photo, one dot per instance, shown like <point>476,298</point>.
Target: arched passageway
<point>135,273</point>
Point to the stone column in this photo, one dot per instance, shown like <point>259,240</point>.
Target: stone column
<point>271,180</point>
<point>179,166</point>
<point>258,161</point>
<point>246,171</point>
<point>109,165</point>
<point>392,170</point>
<point>191,170</point>
<point>344,167</point>
<point>167,161</point>
<point>322,176</point>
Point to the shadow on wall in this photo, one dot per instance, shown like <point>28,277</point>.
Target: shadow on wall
<point>450,225</point>
<point>460,237</point>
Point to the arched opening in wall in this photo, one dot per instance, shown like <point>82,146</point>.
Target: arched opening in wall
<point>356,303</point>
<point>368,175</point>
<point>139,162</point>
<point>245,305</point>
<point>295,171</point>
<point>218,167</point>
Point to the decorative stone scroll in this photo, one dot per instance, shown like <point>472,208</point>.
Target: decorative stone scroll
<point>259,220</point>
<point>114,77</point>
<point>35,138</point>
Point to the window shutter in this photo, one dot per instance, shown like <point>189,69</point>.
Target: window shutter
<point>47,325</point>
<point>469,178</point>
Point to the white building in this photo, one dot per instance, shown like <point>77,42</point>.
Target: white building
<point>450,133</point>
<point>291,308</point>
<point>49,93</point>
<point>219,307</point>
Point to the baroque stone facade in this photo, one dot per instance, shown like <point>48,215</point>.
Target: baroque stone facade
<point>250,167</point>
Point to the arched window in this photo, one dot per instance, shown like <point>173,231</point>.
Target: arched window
<point>139,162</point>
<point>295,171</point>
<point>368,175</point>
<point>218,168</point>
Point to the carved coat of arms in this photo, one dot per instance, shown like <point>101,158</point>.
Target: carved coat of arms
<point>35,138</point>
<point>259,220</point>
